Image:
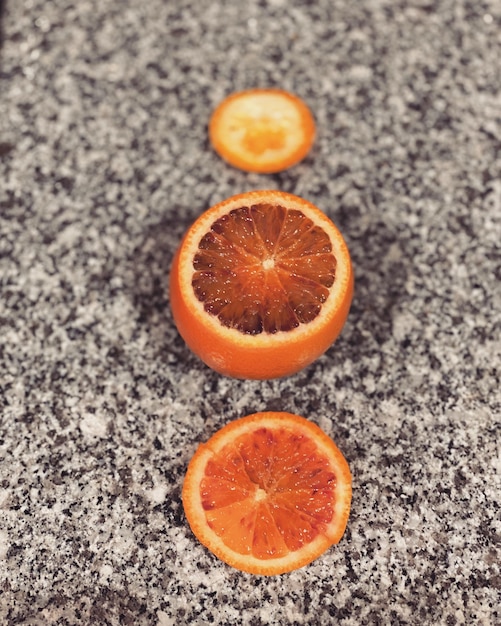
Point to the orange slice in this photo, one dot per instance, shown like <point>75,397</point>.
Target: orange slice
<point>261,285</point>
<point>268,493</point>
<point>262,130</point>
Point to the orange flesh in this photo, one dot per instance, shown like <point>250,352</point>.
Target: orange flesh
<point>264,268</point>
<point>263,135</point>
<point>262,130</point>
<point>268,493</point>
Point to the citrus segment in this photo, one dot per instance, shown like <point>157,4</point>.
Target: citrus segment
<point>262,130</point>
<point>261,285</point>
<point>263,269</point>
<point>268,493</point>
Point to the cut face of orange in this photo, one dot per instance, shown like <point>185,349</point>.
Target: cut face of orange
<point>268,493</point>
<point>262,130</point>
<point>261,285</point>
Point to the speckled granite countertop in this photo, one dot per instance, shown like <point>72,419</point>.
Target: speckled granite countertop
<point>104,161</point>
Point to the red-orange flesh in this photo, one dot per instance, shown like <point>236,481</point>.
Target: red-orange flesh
<point>264,268</point>
<point>261,285</point>
<point>268,493</point>
<point>297,488</point>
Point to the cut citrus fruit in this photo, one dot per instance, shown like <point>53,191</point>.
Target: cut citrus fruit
<point>268,493</point>
<point>261,285</point>
<point>262,130</point>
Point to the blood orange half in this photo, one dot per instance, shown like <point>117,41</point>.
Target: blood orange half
<point>268,493</point>
<point>261,285</point>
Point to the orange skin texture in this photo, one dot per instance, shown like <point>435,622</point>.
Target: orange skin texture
<point>242,360</point>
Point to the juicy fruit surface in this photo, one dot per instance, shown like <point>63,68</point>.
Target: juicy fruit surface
<point>264,268</point>
<point>262,130</point>
<point>268,493</point>
<point>261,285</point>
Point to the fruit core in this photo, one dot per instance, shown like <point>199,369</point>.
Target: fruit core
<point>264,135</point>
<point>264,268</point>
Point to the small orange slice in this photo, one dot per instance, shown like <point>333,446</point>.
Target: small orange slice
<point>268,493</point>
<point>261,285</point>
<point>262,130</point>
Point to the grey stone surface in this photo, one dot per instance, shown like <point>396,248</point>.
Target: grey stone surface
<point>104,162</point>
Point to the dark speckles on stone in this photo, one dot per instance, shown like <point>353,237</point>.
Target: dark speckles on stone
<point>5,148</point>
<point>102,403</point>
<point>65,183</point>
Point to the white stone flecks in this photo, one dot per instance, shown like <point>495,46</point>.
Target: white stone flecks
<point>104,162</point>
